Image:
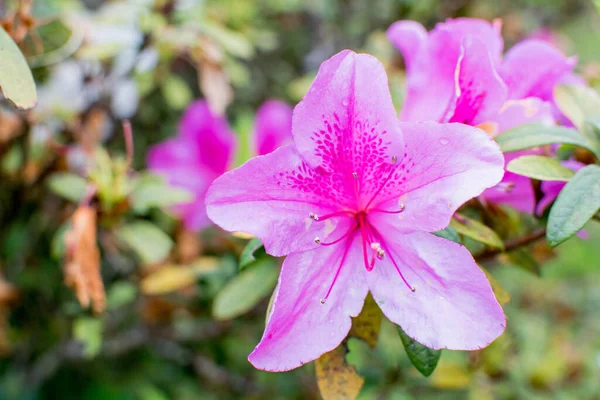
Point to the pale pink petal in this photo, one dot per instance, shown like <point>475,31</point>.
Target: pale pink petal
<point>408,37</point>
<point>271,197</point>
<point>348,105</point>
<point>515,191</point>
<point>273,126</point>
<point>453,305</point>
<point>480,92</point>
<point>444,166</point>
<point>214,140</point>
<point>521,112</point>
<point>431,80</point>
<point>532,68</point>
<point>300,328</point>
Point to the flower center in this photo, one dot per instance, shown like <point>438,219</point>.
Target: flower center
<point>373,243</point>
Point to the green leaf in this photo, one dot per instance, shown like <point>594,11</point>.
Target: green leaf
<point>540,167</point>
<point>16,81</point>
<point>450,234</point>
<point>89,332</point>
<point>247,257</point>
<point>152,191</point>
<point>150,243</point>
<point>578,103</point>
<point>533,135</point>
<point>422,357</point>
<point>476,230</point>
<point>591,130</point>
<point>576,204</point>
<point>176,92</point>
<point>70,186</point>
<point>245,290</point>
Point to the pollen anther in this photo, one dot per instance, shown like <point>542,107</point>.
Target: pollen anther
<point>317,240</point>
<point>313,216</point>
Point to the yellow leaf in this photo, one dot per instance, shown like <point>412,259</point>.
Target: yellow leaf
<point>367,324</point>
<point>171,278</point>
<point>242,235</point>
<point>501,293</point>
<point>337,380</point>
<point>450,375</point>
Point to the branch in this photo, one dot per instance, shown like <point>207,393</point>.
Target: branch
<point>512,244</point>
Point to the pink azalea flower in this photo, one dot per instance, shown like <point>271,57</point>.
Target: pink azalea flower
<point>352,203</point>
<point>472,80</point>
<point>273,126</point>
<point>475,85</point>
<point>205,149</point>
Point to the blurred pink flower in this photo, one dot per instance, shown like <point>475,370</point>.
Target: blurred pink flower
<point>352,203</point>
<point>205,149</point>
<point>456,73</point>
<point>273,126</point>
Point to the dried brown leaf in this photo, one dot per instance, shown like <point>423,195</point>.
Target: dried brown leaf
<point>337,380</point>
<point>82,263</point>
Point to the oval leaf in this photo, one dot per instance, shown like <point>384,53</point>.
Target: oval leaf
<point>70,186</point>
<point>540,167</point>
<point>150,243</point>
<point>533,135</point>
<point>476,230</point>
<point>247,257</point>
<point>422,357</point>
<point>578,103</point>
<point>335,377</point>
<point>16,81</point>
<point>245,290</point>
<point>576,204</point>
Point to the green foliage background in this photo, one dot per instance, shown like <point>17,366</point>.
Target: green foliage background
<point>180,345</point>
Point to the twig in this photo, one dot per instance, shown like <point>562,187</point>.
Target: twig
<point>512,244</point>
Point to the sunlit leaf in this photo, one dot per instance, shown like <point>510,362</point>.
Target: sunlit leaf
<point>501,293</point>
<point>576,204</point>
<point>534,135</point>
<point>16,81</point>
<point>89,332</point>
<point>578,103</point>
<point>149,242</point>
<point>335,377</point>
<point>539,167</point>
<point>247,257</point>
<point>175,277</point>
<point>366,325</point>
<point>451,375</point>
<point>476,230</point>
<point>70,186</point>
<point>422,357</point>
<point>152,191</point>
<point>246,289</point>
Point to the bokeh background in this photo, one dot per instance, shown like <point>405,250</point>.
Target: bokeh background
<point>161,337</point>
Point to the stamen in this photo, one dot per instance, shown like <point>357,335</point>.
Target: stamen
<point>337,273</point>
<point>364,241</point>
<point>385,181</point>
<point>402,207</point>
<point>355,175</point>
<point>376,232</point>
<point>376,247</point>
<point>349,231</point>
<point>315,217</point>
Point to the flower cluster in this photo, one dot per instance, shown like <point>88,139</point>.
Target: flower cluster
<point>475,85</point>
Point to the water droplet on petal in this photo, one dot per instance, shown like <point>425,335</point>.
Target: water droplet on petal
<point>444,141</point>
<point>345,103</point>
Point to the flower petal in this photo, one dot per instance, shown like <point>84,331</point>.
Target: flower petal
<point>408,37</point>
<point>444,166</point>
<point>347,120</point>
<point>177,160</point>
<point>532,68</point>
<point>480,91</point>
<point>437,62</point>
<point>211,134</point>
<point>273,126</point>
<point>271,197</point>
<point>453,305</point>
<point>300,328</point>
